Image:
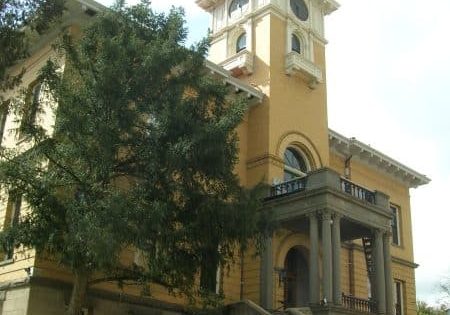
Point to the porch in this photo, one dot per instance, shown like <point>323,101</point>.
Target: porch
<point>331,210</point>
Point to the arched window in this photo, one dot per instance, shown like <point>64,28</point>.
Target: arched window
<point>241,42</point>
<point>296,46</point>
<point>237,7</point>
<point>300,9</point>
<point>295,164</point>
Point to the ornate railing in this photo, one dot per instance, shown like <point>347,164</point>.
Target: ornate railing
<point>359,305</point>
<point>357,191</point>
<point>289,187</point>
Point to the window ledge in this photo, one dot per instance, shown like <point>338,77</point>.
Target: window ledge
<point>240,63</point>
<point>296,64</point>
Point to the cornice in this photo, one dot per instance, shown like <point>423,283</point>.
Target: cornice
<point>265,159</point>
<point>374,158</point>
<point>239,85</point>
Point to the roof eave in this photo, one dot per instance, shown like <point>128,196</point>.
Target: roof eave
<point>353,147</point>
<point>238,85</point>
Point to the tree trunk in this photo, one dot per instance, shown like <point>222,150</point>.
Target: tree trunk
<point>78,293</point>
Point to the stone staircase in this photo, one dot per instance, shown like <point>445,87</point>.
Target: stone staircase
<point>247,307</point>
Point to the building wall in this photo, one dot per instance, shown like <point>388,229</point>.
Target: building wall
<point>291,114</point>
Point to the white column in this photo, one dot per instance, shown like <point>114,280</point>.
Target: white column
<point>336,239</point>
<point>327,281</point>
<point>314,289</point>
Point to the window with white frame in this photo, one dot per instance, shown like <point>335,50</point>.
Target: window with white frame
<point>31,106</point>
<point>3,114</point>
<point>395,225</point>
<point>241,42</point>
<point>12,217</point>
<point>296,44</point>
<point>237,8</point>
<point>295,164</point>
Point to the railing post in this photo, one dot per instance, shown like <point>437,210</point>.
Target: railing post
<point>323,178</point>
<point>381,199</point>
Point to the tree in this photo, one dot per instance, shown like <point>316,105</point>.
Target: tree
<point>18,20</point>
<point>142,156</point>
<point>424,309</point>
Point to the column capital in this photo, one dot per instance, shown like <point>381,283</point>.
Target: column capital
<point>325,214</point>
<point>337,216</point>
<point>380,232</point>
<point>312,214</point>
<point>387,234</point>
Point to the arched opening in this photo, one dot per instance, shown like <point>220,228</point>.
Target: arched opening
<point>241,42</point>
<point>296,46</point>
<point>296,283</point>
<point>295,164</point>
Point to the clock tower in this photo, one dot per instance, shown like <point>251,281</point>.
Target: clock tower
<point>279,47</point>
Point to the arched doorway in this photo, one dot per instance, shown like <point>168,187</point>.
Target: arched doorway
<point>296,285</point>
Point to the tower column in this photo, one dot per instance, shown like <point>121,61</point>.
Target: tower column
<point>314,290</point>
<point>327,281</point>
<point>380,287</point>
<point>336,239</point>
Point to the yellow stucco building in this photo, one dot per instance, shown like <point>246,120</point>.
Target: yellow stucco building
<point>344,242</point>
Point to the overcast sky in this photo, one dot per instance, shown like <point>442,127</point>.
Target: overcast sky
<point>388,72</point>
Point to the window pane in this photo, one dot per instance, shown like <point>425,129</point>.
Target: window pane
<point>295,43</point>
<point>31,106</point>
<point>238,6</point>
<point>3,115</point>
<point>293,159</point>
<point>241,43</point>
<point>395,226</point>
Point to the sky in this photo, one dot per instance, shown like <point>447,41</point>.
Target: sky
<point>388,76</point>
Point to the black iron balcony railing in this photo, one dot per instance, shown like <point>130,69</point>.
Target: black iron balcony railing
<point>289,187</point>
<point>327,178</point>
<point>357,191</point>
<point>359,305</point>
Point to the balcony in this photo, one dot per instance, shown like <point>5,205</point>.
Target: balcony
<point>297,64</point>
<point>359,305</point>
<point>240,63</point>
<point>362,208</point>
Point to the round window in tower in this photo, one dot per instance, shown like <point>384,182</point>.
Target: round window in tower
<point>300,9</point>
<point>295,164</point>
<point>237,8</point>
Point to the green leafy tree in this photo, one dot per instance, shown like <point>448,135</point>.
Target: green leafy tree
<point>444,288</point>
<point>142,156</point>
<point>19,19</point>
<point>424,309</point>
